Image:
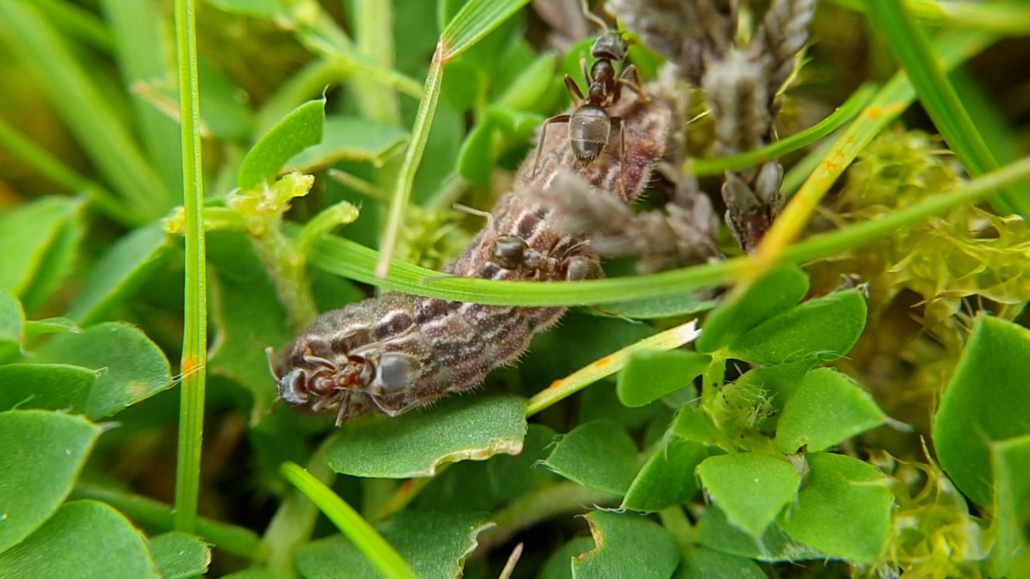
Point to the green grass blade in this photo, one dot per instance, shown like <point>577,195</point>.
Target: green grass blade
<point>475,20</point>
<point>194,348</point>
<point>83,108</point>
<point>412,159</point>
<point>348,259</point>
<point>78,23</point>
<point>141,60</point>
<point>847,111</point>
<point>892,100</point>
<point>1000,16</point>
<point>912,48</point>
<point>381,554</point>
<point>373,34</point>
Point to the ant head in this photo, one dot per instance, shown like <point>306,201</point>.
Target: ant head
<point>610,45</point>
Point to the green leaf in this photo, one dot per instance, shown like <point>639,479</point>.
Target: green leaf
<point>650,374</point>
<point>475,159</point>
<point>416,444</point>
<point>43,454</point>
<point>749,306</point>
<point>180,556</point>
<point>695,424</point>
<point>701,563</point>
<point>683,304</point>
<point>57,262</point>
<point>841,489</point>
<point>434,544</point>
<point>135,368</point>
<point>46,386</point>
<point>559,564</point>
<point>121,271</point>
<point>85,540</point>
<point>27,235</point>
<point>828,326</point>
<point>299,130</point>
<point>667,478</point>
<point>750,488</point>
<point>531,84</point>
<point>987,400</point>
<point>716,532</point>
<point>598,455</point>
<point>628,545</point>
<point>1010,461</point>
<point>35,328</point>
<point>12,319</point>
<point>372,547</point>
<point>779,382</point>
<point>474,21</point>
<point>350,139</point>
<point>827,410</point>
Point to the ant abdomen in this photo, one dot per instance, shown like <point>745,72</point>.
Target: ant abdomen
<point>589,129</point>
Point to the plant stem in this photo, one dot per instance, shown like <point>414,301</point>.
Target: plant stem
<point>194,351</point>
<point>161,518</point>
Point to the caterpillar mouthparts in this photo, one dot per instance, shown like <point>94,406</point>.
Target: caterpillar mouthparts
<point>399,351</point>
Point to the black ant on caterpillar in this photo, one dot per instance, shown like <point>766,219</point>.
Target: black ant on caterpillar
<point>590,125</point>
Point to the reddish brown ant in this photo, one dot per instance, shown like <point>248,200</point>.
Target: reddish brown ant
<point>590,125</point>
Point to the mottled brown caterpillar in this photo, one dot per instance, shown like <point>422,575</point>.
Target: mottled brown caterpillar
<point>399,351</point>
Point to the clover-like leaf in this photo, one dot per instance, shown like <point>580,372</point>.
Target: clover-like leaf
<point>434,544</point>
<point>27,235</point>
<point>34,328</point>
<point>750,488</point>
<point>649,374</point>
<point>559,564</point>
<point>599,455</point>
<point>46,386</point>
<point>778,382</point>
<point>827,327</point>
<point>701,562</point>
<point>745,308</point>
<point>134,367</point>
<point>667,478</point>
<point>695,424</point>
<point>988,399</point>
<point>843,509</point>
<point>85,540</point>
<point>1011,468</point>
<point>121,271</point>
<point>297,131</point>
<point>43,454</point>
<point>350,139</point>
<point>417,443</point>
<point>628,545</point>
<point>12,319</point>
<point>180,556</point>
<point>717,532</point>
<point>827,410</point>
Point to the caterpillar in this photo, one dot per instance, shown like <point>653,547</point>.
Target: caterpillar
<point>399,351</point>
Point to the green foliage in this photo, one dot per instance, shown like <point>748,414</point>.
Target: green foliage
<point>776,465</point>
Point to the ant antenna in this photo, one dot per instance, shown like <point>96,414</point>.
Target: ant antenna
<point>472,211</point>
<point>593,17</point>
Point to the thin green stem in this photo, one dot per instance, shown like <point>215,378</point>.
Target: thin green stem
<point>379,553</point>
<point>354,261</point>
<point>160,518</point>
<point>677,523</point>
<point>194,350</point>
<point>912,48</point>
<point>846,112</point>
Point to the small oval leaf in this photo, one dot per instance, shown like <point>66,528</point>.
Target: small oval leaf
<point>599,455</point>
<point>43,453</point>
<point>12,319</point>
<point>46,387</point>
<point>750,488</point>
<point>85,540</point>
<point>417,443</point>
<point>134,367</point>
<point>827,327</point>
<point>827,410</point>
<point>350,139</point>
<point>628,545</point>
<point>297,131</point>
<point>666,478</point>
<point>651,374</point>
<point>180,556</point>
<point>838,489</point>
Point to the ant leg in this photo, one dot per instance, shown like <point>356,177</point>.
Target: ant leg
<point>622,156</point>
<point>392,413</point>
<point>570,85</point>
<point>631,77</point>
<point>586,72</point>
<point>543,135</point>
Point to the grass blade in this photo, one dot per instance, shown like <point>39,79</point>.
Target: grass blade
<point>912,48</point>
<point>381,554</point>
<point>1000,16</point>
<point>847,111</point>
<point>348,259</point>
<point>194,348</point>
<point>78,22</point>
<point>475,20</point>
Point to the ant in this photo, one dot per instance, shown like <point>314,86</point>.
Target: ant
<point>590,125</point>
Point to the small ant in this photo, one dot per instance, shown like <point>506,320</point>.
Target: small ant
<point>590,125</point>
